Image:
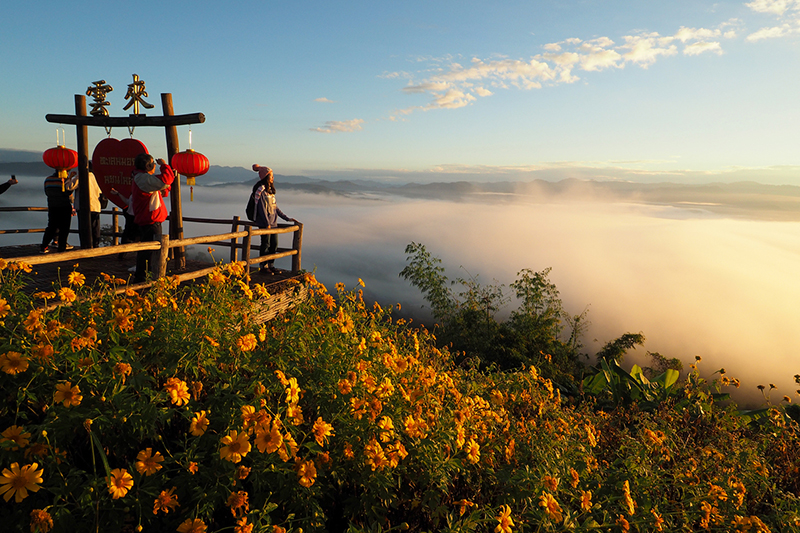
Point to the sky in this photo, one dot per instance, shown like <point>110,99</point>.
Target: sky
<point>688,90</point>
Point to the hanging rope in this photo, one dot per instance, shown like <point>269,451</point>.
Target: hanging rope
<point>108,130</point>
<point>130,130</point>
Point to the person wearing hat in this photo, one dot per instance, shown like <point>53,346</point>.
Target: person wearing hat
<point>267,213</point>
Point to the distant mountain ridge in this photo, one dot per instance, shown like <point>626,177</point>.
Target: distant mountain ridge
<point>745,198</point>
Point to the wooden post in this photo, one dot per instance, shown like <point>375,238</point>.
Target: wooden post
<point>234,229</point>
<point>163,255</point>
<point>84,214</point>
<point>115,224</point>
<point>246,247</point>
<point>176,212</point>
<point>297,244</point>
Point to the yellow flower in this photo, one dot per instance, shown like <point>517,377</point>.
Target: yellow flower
<point>247,343</point>
<point>282,378</point>
<point>192,525</point>
<point>262,334</point>
<point>573,474</point>
<point>242,472</point>
<point>292,392</point>
<point>586,500</point>
<point>268,440</point>
<point>387,429</point>
<point>166,501</point>
<point>17,435</point>
<point>242,526</point>
<point>376,458</point>
<point>67,394</point>
<point>294,414</point>
<point>67,295</point>
<point>199,424</point>
<point>473,451</point>
<point>550,506</point>
<point>5,308</point>
<point>623,524</point>
<point>415,428</point>
<point>239,501</point>
<point>18,481</point>
<point>236,446</point>
<point>178,391</point>
<point>119,483</point>
<point>147,462</point>
<point>13,363</point>
<point>630,506</point>
<point>322,430</point>
<point>307,473</point>
<point>192,468</point>
<point>236,269</point>
<point>659,520</point>
<point>216,278</point>
<point>504,520</point>
<point>551,483</point>
<point>41,521</point>
<point>122,369</point>
<point>345,387</point>
<point>76,279</point>
<point>463,505</point>
<point>211,341</point>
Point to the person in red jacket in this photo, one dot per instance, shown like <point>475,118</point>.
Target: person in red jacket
<point>149,211</point>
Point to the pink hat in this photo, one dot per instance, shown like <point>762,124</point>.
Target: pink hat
<point>262,171</point>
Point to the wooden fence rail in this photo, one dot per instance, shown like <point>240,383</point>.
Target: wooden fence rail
<point>162,248</point>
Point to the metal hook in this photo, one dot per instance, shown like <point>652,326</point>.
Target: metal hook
<point>130,130</point>
<point>108,130</point>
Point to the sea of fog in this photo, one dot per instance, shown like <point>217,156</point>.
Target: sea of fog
<point>692,282</point>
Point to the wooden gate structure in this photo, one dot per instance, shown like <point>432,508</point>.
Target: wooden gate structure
<point>99,118</point>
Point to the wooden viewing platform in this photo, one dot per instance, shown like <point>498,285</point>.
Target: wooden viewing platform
<point>92,262</point>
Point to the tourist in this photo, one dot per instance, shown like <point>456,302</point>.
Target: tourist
<point>59,209</point>
<point>94,211</point>
<point>4,186</point>
<point>147,192</point>
<point>131,232</point>
<point>267,213</point>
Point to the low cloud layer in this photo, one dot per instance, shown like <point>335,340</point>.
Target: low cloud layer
<point>693,281</point>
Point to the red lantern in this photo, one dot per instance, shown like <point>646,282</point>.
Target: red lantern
<point>61,159</point>
<point>191,164</point>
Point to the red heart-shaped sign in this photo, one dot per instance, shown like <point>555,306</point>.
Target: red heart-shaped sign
<point>112,164</point>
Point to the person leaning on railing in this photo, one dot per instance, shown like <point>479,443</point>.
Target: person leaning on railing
<point>267,213</point>
<point>147,191</point>
<point>59,209</point>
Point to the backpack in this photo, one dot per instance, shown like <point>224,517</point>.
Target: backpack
<point>250,210</point>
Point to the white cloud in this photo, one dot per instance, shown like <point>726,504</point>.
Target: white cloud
<point>451,84</point>
<point>769,33</point>
<point>430,86</point>
<point>698,48</point>
<point>596,55</point>
<point>325,100</point>
<point>335,126</point>
<point>451,99</point>
<point>644,50</point>
<point>776,7</point>
<point>695,34</point>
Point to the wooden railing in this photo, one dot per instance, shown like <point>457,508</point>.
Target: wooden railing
<point>162,248</point>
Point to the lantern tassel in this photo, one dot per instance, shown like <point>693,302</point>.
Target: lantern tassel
<point>191,194</point>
